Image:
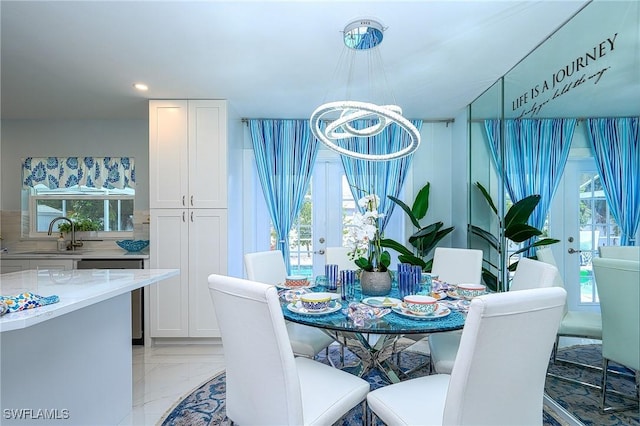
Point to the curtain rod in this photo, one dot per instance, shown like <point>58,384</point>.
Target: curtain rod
<point>578,119</point>
<point>424,120</point>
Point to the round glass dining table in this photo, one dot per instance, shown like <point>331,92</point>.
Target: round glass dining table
<point>373,341</point>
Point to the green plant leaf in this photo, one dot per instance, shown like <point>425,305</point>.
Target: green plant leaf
<point>487,236</point>
<point>490,280</point>
<point>412,260</point>
<point>363,263</point>
<point>521,211</point>
<point>543,242</point>
<point>406,209</point>
<point>519,232</point>
<point>394,245</point>
<point>385,260</point>
<point>421,203</point>
<point>487,197</point>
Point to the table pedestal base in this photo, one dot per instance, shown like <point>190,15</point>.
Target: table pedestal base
<point>376,355</point>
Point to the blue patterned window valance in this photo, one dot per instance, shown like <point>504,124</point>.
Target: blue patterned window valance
<point>92,172</point>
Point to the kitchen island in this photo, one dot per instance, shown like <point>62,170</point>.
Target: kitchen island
<point>69,363</point>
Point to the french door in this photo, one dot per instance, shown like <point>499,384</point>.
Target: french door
<point>321,222</point>
<point>581,219</point>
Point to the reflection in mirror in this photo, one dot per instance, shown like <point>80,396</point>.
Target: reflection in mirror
<point>588,69</point>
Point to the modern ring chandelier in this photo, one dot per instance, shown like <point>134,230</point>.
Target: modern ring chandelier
<point>360,36</point>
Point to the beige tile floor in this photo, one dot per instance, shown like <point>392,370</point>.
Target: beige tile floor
<point>162,375</point>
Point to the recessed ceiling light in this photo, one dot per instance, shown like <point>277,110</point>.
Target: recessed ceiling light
<point>141,86</point>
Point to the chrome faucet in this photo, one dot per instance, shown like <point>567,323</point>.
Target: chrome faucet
<point>74,243</point>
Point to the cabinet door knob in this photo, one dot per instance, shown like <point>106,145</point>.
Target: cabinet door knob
<point>183,219</point>
<point>191,216</point>
<point>183,200</point>
<point>192,200</point>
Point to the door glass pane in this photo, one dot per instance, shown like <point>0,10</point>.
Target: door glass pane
<point>597,227</point>
<point>348,208</point>
<point>301,239</point>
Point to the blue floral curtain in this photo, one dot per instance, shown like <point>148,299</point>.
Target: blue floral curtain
<point>378,177</point>
<point>616,149</point>
<point>92,172</point>
<point>285,154</point>
<point>536,151</point>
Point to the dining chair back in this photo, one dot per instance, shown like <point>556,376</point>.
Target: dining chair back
<point>499,373</point>
<point>265,383</point>
<point>618,284</point>
<point>268,267</point>
<point>583,324</point>
<point>453,266</point>
<point>533,274</point>
<point>339,256</point>
<point>529,274</point>
<point>620,252</point>
<point>457,265</point>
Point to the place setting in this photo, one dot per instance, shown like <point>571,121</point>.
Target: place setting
<point>421,307</point>
<point>315,304</point>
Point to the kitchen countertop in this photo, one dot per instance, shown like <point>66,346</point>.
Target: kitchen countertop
<point>75,288</point>
<point>76,254</point>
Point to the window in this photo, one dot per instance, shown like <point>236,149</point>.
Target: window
<point>101,210</point>
<point>96,193</point>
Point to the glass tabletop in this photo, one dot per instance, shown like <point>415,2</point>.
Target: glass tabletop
<point>391,323</point>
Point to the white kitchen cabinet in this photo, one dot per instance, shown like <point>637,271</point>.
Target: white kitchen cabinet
<point>14,265</point>
<point>188,212</point>
<point>194,240</point>
<point>188,154</point>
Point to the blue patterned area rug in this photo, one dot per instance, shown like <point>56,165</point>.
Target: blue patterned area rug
<point>206,404</point>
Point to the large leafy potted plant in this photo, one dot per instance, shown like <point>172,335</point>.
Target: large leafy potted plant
<point>425,239</point>
<point>515,228</point>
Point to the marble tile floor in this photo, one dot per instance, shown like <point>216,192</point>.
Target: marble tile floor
<point>163,374</point>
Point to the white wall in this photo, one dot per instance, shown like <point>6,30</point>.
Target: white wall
<point>70,138</point>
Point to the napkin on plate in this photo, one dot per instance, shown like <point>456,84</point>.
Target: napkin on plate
<point>460,305</point>
<point>360,313</point>
<point>438,286</point>
<point>293,295</point>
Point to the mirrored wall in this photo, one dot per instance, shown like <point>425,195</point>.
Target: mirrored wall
<point>589,68</point>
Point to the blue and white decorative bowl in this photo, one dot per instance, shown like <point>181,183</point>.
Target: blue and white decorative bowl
<point>315,301</point>
<point>132,246</point>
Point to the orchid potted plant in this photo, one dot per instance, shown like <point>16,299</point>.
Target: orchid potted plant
<point>365,249</point>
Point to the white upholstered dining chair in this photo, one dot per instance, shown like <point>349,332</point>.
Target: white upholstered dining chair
<point>457,265</point>
<point>268,267</point>
<point>620,252</point>
<point>266,384</point>
<point>618,283</point>
<point>499,374</point>
<point>339,256</point>
<point>529,274</point>
<point>453,266</point>
<point>582,324</point>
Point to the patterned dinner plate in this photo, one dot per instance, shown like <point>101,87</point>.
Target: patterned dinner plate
<point>297,308</point>
<point>382,302</point>
<point>441,312</point>
<point>286,287</point>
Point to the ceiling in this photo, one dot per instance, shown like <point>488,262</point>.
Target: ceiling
<point>270,59</point>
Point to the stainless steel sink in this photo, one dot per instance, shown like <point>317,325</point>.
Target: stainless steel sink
<point>52,252</point>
